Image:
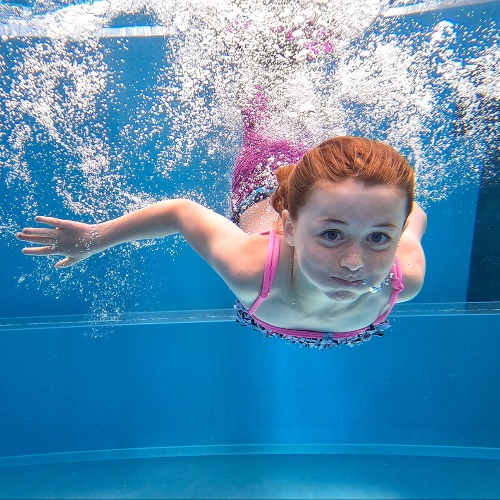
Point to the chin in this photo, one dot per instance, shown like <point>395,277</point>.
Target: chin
<point>343,296</point>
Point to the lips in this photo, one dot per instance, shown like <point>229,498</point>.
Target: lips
<point>349,283</point>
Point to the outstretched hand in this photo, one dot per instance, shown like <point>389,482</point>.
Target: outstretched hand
<point>69,238</point>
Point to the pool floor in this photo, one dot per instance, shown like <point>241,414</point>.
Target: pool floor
<point>258,476</point>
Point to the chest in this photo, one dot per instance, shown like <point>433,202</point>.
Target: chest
<point>305,307</point>
<point>282,309</point>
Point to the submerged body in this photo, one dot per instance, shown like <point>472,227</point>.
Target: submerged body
<point>343,213</point>
<point>325,270</point>
<point>309,338</point>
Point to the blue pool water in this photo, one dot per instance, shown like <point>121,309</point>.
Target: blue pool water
<point>206,411</point>
<point>128,377</point>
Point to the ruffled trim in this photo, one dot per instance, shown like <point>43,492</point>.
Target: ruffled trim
<point>326,342</point>
<point>258,194</point>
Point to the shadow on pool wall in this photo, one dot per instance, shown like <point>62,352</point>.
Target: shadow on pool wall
<point>484,280</point>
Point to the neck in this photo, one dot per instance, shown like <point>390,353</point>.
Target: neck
<point>305,296</point>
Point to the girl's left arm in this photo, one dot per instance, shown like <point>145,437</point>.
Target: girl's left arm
<point>411,254</point>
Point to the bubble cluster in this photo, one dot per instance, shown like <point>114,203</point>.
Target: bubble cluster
<point>101,138</point>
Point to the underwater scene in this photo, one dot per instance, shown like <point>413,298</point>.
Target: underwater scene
<point>126,375</point>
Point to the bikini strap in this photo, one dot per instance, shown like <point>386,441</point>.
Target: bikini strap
<point>397,288</point>
<point>272,260</point>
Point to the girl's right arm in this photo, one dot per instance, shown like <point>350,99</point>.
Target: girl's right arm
<point>235,255</point>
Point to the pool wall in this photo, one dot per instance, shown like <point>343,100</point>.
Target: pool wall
<point>431,381</point>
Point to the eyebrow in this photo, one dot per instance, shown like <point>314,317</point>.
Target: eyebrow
<point>341,222</point>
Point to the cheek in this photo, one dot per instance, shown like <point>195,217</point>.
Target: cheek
<point>315,259</point>
<point>381,264</point>
<point>381,261</point>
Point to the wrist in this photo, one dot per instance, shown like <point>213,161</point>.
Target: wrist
<point>99,237</point>
<point>93,238</point>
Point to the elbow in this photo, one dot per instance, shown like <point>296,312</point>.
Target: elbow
<point>413,280</point>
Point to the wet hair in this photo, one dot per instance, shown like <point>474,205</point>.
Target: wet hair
<point>337,159</point>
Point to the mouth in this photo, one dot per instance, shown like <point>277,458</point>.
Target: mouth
<point>349,283</point>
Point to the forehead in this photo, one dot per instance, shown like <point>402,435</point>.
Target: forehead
<point>353,199</point>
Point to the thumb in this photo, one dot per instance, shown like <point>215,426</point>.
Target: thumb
<point>67,262</point>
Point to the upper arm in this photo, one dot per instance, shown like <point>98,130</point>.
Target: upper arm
<point>232,253</point>
<point>411,255</point>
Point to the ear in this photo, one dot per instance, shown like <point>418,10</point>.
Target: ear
<point>288,227</point>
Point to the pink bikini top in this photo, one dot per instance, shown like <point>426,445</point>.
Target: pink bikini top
<point>272,259</point>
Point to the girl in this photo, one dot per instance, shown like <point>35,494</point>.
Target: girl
<point>323,244</point>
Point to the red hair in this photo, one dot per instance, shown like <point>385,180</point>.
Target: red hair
<point>337,159</point>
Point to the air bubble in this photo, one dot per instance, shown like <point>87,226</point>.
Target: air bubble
<point>326,71</point>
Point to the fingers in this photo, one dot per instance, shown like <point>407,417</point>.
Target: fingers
<point>45,251</point>
<point>39,237</point>
<point>44,238</point>
<point>44,231</point>
<point>48,238</point>
<point>51,221</point>
<point>68,261</point>
<point>40,251</point>
<point>38,231</point>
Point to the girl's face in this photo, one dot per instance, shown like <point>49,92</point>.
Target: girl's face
<point>345,237</point>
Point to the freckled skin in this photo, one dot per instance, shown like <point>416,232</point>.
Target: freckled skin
<point>346,231</point>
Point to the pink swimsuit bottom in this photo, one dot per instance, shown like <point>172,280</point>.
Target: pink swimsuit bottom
<point>319,340</point>
<point>253,175</point>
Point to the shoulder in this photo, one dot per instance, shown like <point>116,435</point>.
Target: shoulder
<point>238,257</point>
<point>242,265</point>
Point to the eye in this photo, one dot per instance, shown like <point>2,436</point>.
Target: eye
<point>379,238</point>
<point>332,235</point>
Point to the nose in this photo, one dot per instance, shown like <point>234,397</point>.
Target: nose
<point>352,259</point>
